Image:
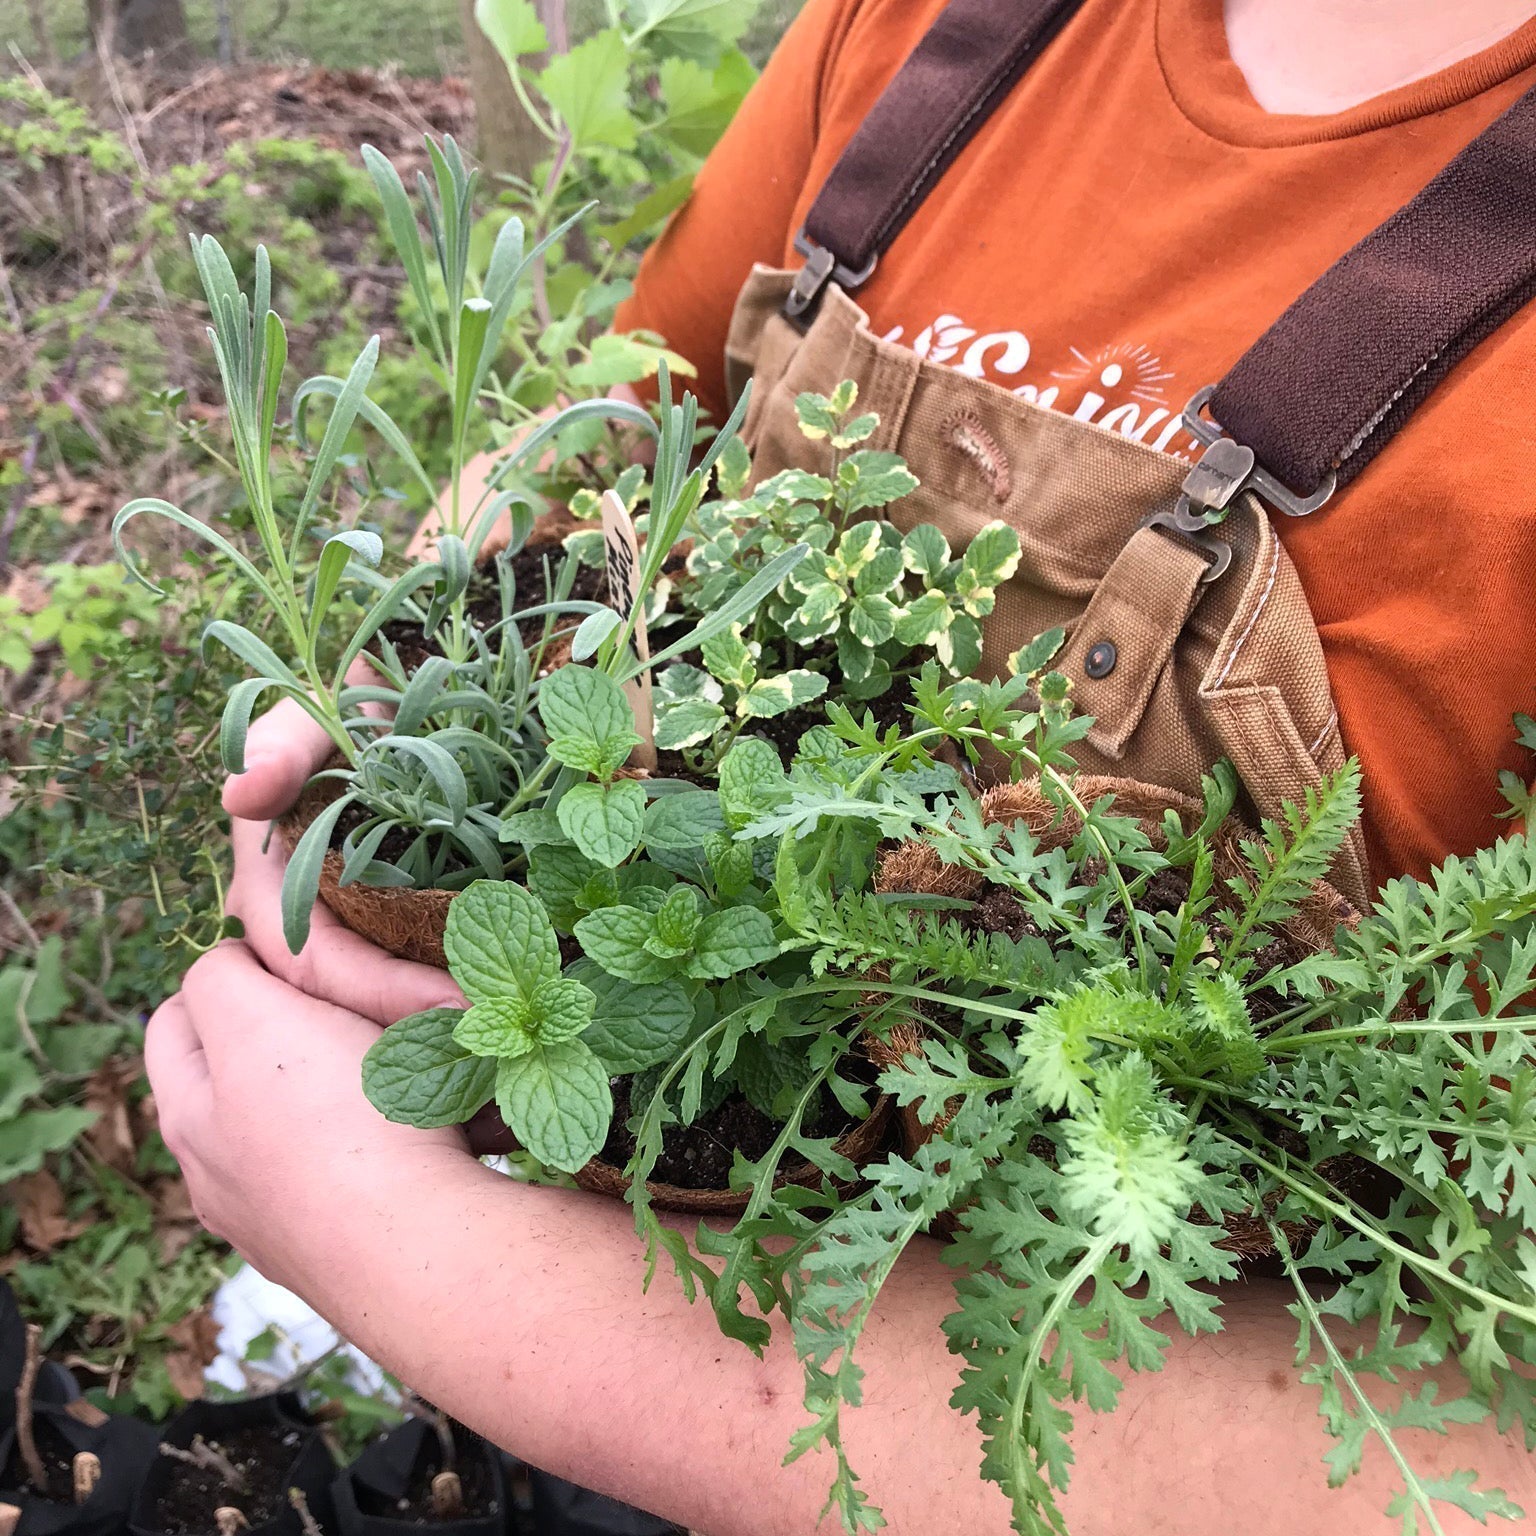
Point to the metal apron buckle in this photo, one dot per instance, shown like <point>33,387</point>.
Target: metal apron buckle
<point>1219,476</point>
<point>821,267</point>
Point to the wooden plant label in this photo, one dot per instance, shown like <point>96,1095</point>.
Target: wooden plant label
<point>622,552</point>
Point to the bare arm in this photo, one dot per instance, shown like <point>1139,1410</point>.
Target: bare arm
<point>521,1310</point>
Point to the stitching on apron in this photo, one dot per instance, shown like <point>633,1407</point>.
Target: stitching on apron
<point>1242,639</point>
<point>1324,734</point>
<point>964,430</point>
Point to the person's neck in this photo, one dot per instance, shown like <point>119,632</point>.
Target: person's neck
<point>1319,56</point>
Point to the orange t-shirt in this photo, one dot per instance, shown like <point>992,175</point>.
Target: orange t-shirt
<point>1117,235</point>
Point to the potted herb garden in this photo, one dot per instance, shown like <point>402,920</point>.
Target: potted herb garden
<point>726,849</point>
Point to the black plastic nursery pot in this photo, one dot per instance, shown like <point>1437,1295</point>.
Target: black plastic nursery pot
<point>271,1441</point>
<point>562,1509</point>
<point>389,1489</point>
<point>65,1430</point>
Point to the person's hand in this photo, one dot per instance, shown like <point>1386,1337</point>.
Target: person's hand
<point>259,1093</point>
<point>336,966</point>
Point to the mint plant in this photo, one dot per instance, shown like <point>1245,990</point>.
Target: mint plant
<point>865,608</point>
<point>714,704</point>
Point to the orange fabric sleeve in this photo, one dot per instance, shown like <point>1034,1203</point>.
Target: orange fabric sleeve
<point>742,205</point>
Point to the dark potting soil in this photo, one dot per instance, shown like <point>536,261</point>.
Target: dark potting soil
<point>58,1459</point>
<point>415,1507</point>
<point>699,1156</point>
<point>482,601</point>
<point>261,1453</point>
<point>396,844</point>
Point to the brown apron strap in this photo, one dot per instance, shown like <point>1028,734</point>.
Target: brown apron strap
<point>949,85</point>
<point>1326,388</point>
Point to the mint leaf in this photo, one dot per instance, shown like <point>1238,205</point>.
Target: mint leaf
<point>686,723</point>
<point>730,941</point>
<point>778,695</point>
<point>727,657</point>
<point>683,820</point>
<point>752,779</point>
<point>558,1103</point>
<point>531,829</point>
<point>615,938</point>
<point>604,820</point>
<point>598,758</point>
<point>501,1026</point>
<point>926,551</point>
<point>416,1073</point>
<point>581,705</point>
<point>677,922</point>
<point>560,1010</point>
<point>557,877</point>
<point>499,941</point>
<point>635,1027</point>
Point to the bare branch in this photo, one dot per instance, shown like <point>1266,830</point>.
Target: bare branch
<point>301,1504</point>
<point>26,1443</point>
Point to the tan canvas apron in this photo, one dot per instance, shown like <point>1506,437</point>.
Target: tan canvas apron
<point>1186,643</point>
<point>1175,670</point>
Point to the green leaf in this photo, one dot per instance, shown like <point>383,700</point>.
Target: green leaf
<point>301,879</point>
<point>500,942</point>
<point>868,480</point>
<point>634,1027</point>
<point>513,28</point>
<point>592,631</point>
<point>778,695</point>
<point>581,704</point>
<point>990,558</point>
<point>731,941</point>
<point>698,28</point>
<point>735,471</point>
<point>872,620</point>
<point>615,938</point>
<point>686,722</point>
<point>498,1027</point>
<point>818,419</point>
<point>816,614</point>
<point>604,820</point>
<point>727,657</point>
<point>589,89</point>
<point>417,1073</point>
<point>1029,660</point>
<point>683,820</point>
<point>558,1103</point>
<point>34,1135</point>
<point>926,551</point>
<point>560,1010</point>
<point>677,923</point>
<point>19,1081</point>
<point>650,212</point>
<point>752,781</point>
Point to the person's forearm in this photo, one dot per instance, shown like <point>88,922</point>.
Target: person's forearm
<point>520,1310</point>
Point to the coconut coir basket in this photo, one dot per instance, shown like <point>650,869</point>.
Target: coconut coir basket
<point>916,868</point>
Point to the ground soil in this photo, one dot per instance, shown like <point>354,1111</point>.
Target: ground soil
<point>261,1453</point>
<point>699,1156</point>
<point>415,1508</point>
<point>58,1462</point>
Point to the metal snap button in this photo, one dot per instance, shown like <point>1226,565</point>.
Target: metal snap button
<point>1101,658</point>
